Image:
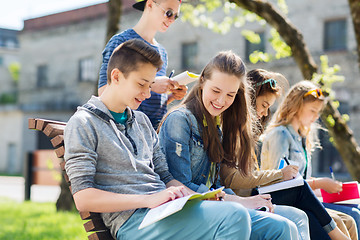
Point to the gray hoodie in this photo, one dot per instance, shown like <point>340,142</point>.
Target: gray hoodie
<point>113,157</point>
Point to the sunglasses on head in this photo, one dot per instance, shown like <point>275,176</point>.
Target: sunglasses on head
<point>168,13</point>
<point>272,82</point>
<point>317,93</point>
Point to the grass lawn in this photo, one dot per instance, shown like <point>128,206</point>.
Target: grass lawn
<point>35,221</point>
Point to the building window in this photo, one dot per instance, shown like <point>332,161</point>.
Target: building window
<point>189,56</point>
<point>251,47</point>
<point>87,71</point>
<point>335,35</point>
<point>42,76</point>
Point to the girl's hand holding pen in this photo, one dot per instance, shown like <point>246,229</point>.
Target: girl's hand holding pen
<point>329,185</point>
<point>289,172</point>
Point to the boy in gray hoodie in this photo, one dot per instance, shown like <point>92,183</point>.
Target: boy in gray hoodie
<point>116,167</point>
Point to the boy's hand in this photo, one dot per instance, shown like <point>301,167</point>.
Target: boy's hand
<point>289,172</point>
<point>163,84</point>
<point>166,195</point>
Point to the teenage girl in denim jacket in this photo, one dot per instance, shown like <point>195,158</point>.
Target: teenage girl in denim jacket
<point>290,134</point>
<point>194,145</point>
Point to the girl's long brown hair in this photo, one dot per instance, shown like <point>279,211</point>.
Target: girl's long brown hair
<point>237,142</point>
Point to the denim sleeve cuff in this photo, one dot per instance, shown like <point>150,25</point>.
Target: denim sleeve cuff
<point>202,188</point>
<point>330,226</point>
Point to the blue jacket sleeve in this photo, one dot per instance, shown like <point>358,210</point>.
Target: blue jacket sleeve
<point>175,136</point>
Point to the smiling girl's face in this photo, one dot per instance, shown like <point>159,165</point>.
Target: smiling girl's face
<point>219,92</point>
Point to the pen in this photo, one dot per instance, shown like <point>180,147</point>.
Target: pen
<point>286,160</point>
<point>332,174</point>
<point>172,73</point>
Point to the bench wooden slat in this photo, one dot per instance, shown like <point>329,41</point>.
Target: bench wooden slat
<point>51,130</point>
<point>95,225</point>
<point>32,123</point>
<point>103,235</point>
<point>42,123</point>
<point>89,215</point>
<point>62,165</point>
<point>66,178</point>
<point>57,141</point>
<point>60,151</point>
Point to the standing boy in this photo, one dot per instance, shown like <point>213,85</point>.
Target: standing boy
<point>157,17</point>
<point>116,167</point>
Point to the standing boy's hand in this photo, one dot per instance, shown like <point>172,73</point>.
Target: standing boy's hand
<point>163,84</point>
<point>177,93</point>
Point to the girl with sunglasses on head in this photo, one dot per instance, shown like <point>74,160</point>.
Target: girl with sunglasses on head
<point>267,87</point>
<point>157,16</point>
<point>204,129</point>
<point>290,135</point>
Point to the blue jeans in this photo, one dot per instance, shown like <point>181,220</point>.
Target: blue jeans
<point>302,197</point>
<point>197,220</point>
<point>350,209</point>
<point>269,226</point>
<point>208,220</point>
<point>298,217</point>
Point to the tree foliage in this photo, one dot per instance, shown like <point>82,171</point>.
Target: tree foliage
<point>292,39</point>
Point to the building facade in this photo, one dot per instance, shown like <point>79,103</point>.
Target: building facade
<point>61,56</point>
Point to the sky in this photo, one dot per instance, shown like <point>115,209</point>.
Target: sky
<point>14,12</point>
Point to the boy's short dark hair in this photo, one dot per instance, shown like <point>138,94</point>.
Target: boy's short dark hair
<point>128,57</point>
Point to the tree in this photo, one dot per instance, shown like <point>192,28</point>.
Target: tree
<point>65,201</point>
<point>355,14</point>
<point>344,140</point>
<point>341,134</point>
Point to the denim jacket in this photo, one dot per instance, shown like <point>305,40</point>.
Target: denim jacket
<point>181,141</point>
<point>284,141</point>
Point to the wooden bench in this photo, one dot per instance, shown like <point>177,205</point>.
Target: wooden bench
<point>55,130</point>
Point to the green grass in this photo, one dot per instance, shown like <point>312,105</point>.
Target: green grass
<point>35,221</point>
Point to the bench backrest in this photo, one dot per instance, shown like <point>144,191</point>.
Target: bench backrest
<point>55,130</point>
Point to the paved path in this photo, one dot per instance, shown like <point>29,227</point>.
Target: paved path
<point>14,188</point>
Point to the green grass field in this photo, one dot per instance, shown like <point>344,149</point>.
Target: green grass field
<point>35,221</point>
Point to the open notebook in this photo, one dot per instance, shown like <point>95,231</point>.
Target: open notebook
<point>168,208</point>
<point>297,181</point>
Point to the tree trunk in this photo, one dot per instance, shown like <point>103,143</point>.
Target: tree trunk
<point>355,14</point>
<point>65,201</point>
<point>113,23</point>
<point>343,138</point>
